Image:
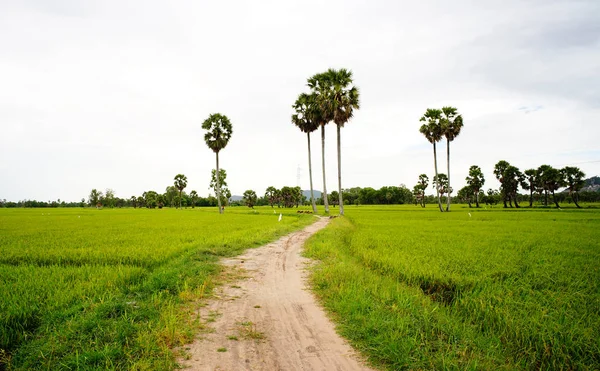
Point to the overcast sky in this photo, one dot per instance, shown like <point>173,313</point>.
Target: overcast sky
<point>112,94</point>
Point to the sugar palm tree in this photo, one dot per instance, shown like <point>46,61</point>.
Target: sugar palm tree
<point>343,99</point>
<point>180,184</point>
<point>475,181</point>
<point>320,85</point>
<point>218,132</point>
<point>432,130</point>
<point>574,180</point>
<point>452,123</point>
<point>306,119</point>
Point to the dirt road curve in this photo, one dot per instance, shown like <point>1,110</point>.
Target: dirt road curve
<point>268,320</point>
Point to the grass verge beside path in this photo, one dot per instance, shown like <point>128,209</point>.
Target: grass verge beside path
<point>418,289</point>
<point>114,289</point>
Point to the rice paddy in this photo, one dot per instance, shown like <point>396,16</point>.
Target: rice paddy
<point>498,289</point>
<point>114,288</point>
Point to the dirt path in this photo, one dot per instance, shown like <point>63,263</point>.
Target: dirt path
<point>268,320</point>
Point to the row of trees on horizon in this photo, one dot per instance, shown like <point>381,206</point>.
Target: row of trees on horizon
<point>294,197</point>
<point>541,182</point>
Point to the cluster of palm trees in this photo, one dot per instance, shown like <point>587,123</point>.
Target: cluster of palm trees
<point>544,180</point>
<point>438,124</point>
<point>332,97</point>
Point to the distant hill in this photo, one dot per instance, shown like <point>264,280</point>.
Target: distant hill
<point>315,192</point>
<point>305,193</point>
<point>592,184</point>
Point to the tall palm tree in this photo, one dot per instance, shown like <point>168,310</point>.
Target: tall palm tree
<point>218,132</point>
<point>452,123</point>
<point>343,99</point>
<point>180,184</point>
<point>306,119</point>
<point>432,130</point>
<point>320,85</point>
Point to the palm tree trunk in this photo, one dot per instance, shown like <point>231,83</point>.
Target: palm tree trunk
<point>531,197</point>
<point>339,150</point>
<point>437,184</point>
<point>312,195</point>
<point>179,200</point>
<point>575,199</point>
<point>324,195</point>
<point>554,199</point>
<point>477,198</point>
<point>449,187</point>
<point>218,187</point>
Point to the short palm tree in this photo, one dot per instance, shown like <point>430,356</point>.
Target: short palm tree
<point>306,119</point>
<point>180,184</point>
<point>218,133</point>
<point>343,99</point>
<point>432,130</point>
<point>452,123</point>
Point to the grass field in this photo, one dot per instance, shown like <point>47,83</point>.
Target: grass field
<point>111,289</point>
<point>501,289</point>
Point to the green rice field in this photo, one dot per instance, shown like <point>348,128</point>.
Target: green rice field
<point>113,289</point>
<point>486,289</point>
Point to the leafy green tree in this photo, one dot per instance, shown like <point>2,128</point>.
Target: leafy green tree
<point>452,124</point>
<point>250,198</point>
<point>465,194</point>
<point>432,130</point>
<point>194,197</point>
<point>530,183</point>
<point>343,99</point>
<point>441,182</point>
<point>574,180</point>
<point>288,196</point>
<point>220,189</point>
<point>492,197</point>
<point>160,201</point>
<point>510,178</point>
<point>271,195</point>
<point>475,181</point>
<point>320,84</point>
<point>298,196</point>
<point>171,195</point>
<point>109,198</point>
<point>417,194</point>
<point>180,183</point>
<point>423,184</point>
<point>333,198</point>
<point>551,180</point>
<point>150,199</point>
<point>219,130</point>
<point>306,119</point>
<point>94,198</point>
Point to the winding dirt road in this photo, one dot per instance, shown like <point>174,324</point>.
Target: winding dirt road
<point>267,319</point>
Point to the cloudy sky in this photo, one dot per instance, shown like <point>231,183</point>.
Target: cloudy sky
<point>112,94</point>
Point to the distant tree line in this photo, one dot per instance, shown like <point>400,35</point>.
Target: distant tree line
<point>542,185</point>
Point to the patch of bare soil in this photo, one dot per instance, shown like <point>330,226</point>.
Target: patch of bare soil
<point>266,319</point>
